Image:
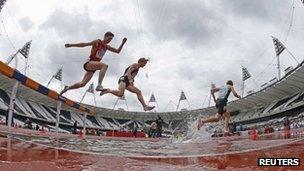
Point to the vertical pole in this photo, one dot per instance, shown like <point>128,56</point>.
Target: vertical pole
<point>127,104</point>
<point>84,117</point>
<point>115,103</point>
<point>61,85</point>
<point>57,117</point>
<point>95,102</point>
<point>13,96</point>
<point>243,88</point>
<point>83,96</point>
<point>11,106</point>
<point>84,124</point>
<point>279,67</point>
<point>157,105</point>
<point>177,105</point>
<point>209,103</point>
<point>25,69</point>
<point>9,60</point>
<point>189,104</point>
<point>50,81</point>
<point>16,62</point>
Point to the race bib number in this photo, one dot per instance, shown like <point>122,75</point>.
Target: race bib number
<point>100,53</point>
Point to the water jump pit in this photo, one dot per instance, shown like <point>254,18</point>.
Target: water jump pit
<point>36,151</point>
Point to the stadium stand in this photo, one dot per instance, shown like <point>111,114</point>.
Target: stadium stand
<point>283,98</point>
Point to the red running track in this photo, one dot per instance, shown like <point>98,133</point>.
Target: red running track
<point>17,155</point>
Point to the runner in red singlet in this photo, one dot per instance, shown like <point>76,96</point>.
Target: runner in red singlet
<point>99,48</point>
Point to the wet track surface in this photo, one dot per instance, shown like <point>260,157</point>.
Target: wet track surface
<point>231,153</point>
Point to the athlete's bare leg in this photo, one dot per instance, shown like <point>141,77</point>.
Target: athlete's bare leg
<point>227,120</point>
<point>102,74</point>
<point>214,118</point>
<point>94,66</point>
<point>119,93</point>
<point>86,78</point>
<point>140,97</point>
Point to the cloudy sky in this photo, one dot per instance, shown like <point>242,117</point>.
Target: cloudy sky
<point>190,43</point>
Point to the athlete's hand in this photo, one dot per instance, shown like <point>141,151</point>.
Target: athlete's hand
<point>67,45</point>
<point>124,40</point>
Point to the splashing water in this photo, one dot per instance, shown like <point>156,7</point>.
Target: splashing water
<point>195,136</point>
<point>198,136</point>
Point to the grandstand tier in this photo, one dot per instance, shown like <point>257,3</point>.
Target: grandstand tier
<point>282,98</point>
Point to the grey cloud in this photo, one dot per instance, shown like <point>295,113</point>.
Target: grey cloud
<point>191,22</point>
<point>189,72</point>
<point>79,25</point>
<point>262,10</point>
<point>26,24</point>
<point>75,25</point>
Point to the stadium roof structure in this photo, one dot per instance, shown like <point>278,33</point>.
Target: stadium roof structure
<point>291,83</point>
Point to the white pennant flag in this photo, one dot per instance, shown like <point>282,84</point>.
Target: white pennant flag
<point>182,96</point>
<point>152,98</point>
<point>58,75</point>
<point>245,73</point>
<point>25,49</point>
<point>279,47</point>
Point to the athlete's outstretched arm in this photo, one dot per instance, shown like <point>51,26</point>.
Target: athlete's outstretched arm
<point>119,48</point>
<point>234,92</point>
<point>214,90</point>
<point>81,44</point>
<point>213,96</point>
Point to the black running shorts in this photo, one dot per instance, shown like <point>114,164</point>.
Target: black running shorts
<point>84,67</point>
<point>124,79</point>
<point>221,105</point>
